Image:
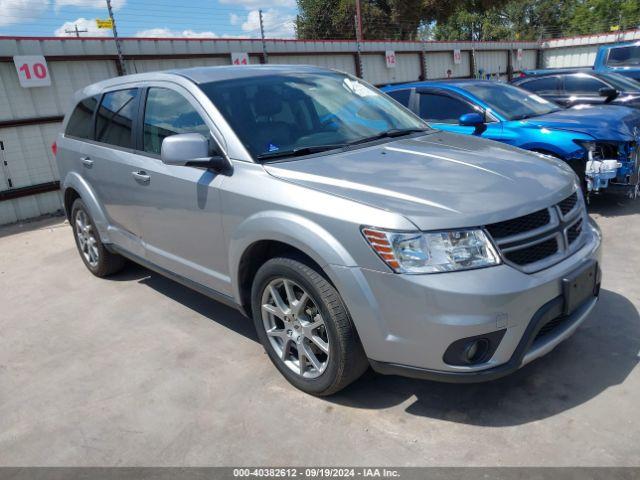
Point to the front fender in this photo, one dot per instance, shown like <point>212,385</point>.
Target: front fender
<point>557,142</point>
<point>290,228</point>
<point>88,196</point>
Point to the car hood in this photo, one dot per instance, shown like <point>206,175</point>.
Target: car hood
<point>438,180</point>
<point>602,122</point>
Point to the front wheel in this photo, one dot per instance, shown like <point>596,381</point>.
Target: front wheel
<point>305,328</point>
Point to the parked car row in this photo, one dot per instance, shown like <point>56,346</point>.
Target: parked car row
<point>600,142</point>
<point>352,232</point>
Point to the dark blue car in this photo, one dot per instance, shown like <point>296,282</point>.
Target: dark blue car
<point>599,142</point>
<point>569,87</point>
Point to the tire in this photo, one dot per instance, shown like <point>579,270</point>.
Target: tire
<point>98,259</point>
<point>345,360</point>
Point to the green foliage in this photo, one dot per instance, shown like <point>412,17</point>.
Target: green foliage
<point>465,19</point>
<point>388,19</point>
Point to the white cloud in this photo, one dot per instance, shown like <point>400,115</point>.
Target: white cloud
<point>234,19</point>
<point>276,24</point>
<point>101,4</point>
<point>260,3</point>
<point>88,24</point>
<point>16,11</point>
<point>168,33</point>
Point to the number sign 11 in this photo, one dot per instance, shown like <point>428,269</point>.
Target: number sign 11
<point>32,71</point>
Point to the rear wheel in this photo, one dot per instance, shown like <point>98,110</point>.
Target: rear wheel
<point>305,327</point>
<point>96,258</point>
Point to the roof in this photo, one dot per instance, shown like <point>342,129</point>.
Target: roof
<point>449,83</point>
<point>230,72</point>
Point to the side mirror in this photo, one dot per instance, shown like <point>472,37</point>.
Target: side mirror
<point>190,150</point>
<point>609,93</point>
<point>473,120</point>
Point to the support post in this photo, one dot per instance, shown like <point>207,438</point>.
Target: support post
<point>265,58</point>
<point>122,69</point>
<point>358,55</point>
<point>472,63</point>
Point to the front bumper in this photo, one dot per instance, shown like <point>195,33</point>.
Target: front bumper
<point>407,322</point>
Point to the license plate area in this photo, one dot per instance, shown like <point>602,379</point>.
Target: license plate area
<point>579,286</point>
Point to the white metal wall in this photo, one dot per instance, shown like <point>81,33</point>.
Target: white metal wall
<point>439,63</point>
<point>342,63</point>
<point>142,66</point>
<point>375,70</point>
<point>578,56</point>
<point>29,161</point>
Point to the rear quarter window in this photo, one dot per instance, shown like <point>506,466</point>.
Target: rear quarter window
<point>114,120</point>
<point>80,123</point>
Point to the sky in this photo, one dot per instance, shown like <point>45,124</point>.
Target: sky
<point>149,18</point>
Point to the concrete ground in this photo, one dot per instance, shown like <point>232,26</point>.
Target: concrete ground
<point>138,370</point>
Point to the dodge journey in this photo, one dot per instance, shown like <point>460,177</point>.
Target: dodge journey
<point>352,233</point>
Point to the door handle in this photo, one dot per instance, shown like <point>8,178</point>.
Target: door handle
<point>86,161</point>
<point>141,177</point>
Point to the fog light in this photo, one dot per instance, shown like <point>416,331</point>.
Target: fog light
<point>475,350</point>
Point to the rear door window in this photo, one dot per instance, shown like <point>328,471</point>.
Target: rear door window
<point>168,113</point>
<point>80,123</point>
<point>542,86</point>
<point>114,121</point>
<point>582,84</point>
<point>440,108</point>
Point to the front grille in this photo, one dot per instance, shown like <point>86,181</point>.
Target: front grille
<point>534,253</point>
<point>519,225</point>
<point>574,232</point>
<point>568,204</point>
<point>540,239</point>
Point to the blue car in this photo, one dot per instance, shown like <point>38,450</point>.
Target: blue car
<point>622,58</point>
<point>599,142</point>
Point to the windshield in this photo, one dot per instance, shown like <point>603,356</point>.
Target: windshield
<point>512,103</point>
<point>304,111</point>
<point>624,56</point>
<point>620,82</point>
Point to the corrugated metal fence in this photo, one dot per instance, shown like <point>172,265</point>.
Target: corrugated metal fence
<point>30,117</point>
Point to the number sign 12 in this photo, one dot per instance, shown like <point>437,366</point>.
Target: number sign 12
<point>32,71</point>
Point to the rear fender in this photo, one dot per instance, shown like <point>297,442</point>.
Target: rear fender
<point>88,196</point>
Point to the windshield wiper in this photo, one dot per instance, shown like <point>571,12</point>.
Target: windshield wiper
<point>299,151</point>
<point>392,133</point>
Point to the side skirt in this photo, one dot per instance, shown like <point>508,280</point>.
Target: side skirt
<point>213,294</point>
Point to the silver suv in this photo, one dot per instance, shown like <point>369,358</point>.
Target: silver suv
<point>352,233</point>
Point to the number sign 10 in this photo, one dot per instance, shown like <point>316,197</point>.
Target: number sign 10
<point>32,71</point>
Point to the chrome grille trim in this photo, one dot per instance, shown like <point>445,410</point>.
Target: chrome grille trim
<point>557,229</point>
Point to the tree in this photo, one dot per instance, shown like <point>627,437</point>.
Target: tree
<point>381,19</point>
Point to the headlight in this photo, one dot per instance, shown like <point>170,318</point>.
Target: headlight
<point>432,252</point>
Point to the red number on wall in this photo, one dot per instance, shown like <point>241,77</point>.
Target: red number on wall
<point>39,70</point>
<point>25,68</point>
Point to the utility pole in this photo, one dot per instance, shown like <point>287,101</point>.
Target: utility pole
<point>265,58</point>
<point>122,69</point>
<point>358,21</point>
<point>75,30</point>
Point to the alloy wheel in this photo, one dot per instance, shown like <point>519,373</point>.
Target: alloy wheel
<point>295,328</point>
<point>86,239</point>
